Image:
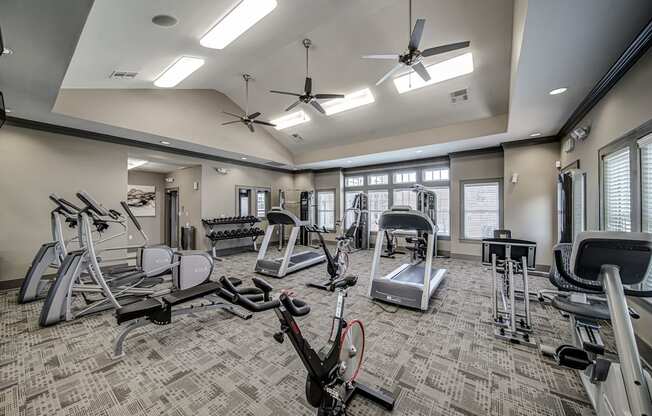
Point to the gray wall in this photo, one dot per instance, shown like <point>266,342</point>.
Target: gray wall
<point>481,166</point>
<point>154,227</point>
<point>34,164</point>
<point>626,106</point>
<point>218,195</point>
<point>531,204</point>
<point>190,209</point>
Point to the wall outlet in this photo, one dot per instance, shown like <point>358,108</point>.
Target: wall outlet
<point>195,185</point>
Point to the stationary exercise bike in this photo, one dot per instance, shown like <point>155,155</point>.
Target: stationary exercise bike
<point>332,371</point>
<point>337,264</point>
<point>391,245</point>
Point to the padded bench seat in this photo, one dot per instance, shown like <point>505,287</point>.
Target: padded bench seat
<point>148,307</point>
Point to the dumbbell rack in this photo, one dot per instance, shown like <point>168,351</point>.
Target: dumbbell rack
<point>216,236</point>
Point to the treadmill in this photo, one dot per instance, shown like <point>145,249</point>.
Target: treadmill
<point>411,284</point>
<point>290,262</point>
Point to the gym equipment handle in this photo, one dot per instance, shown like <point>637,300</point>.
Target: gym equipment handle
<point>125,206</point>
<point>296,307</point>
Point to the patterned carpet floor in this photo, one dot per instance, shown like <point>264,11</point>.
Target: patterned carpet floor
<point>445,361</point>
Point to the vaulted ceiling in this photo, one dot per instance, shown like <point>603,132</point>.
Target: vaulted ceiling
<point>521,50</point>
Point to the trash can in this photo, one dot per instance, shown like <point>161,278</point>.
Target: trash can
<point>187,237</point>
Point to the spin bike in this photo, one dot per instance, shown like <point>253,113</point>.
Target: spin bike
<point>337,264</point>
<point>332,371</point>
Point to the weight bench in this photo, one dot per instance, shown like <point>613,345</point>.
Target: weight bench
<point>160,311</point>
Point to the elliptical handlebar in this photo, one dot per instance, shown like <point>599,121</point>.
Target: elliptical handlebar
<point>131,215</point>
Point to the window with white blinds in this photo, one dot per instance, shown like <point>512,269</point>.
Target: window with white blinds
<point>326,209</point>
<point>405,197</point>
<point>645,146</point>
<point>616,187</point>
<point>481,216</point>
<point>378,202</point>
<point>349,198</point>
<point>443,209</point>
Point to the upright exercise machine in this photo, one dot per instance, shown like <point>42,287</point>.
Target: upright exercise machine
<point>333,369</point>
<point>610,263</point>
<point>358,231</point>
<point>410,284</point>
<point>508,258</point>
<point>291,261</point>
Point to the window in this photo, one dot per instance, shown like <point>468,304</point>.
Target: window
<point>406,197</point>
<point>378,202</point>
<point>355,181</point>
<point>405,177</point>
<point>433,175</point>
<point>243,202</point>
<point>326,209</point>
<point>443,209</point>
<point>646,183</point>
<point>349,198</point>
<point>480,209</point>
<point>382,179</point>
<point>262,202</point>
<point>617,191</point>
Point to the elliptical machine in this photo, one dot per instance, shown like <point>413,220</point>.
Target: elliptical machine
<point>332,371</point>
<point>337,264</point>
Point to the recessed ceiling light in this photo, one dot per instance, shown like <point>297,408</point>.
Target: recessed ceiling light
<point>442,71</point>
<point>350,101</point>
<point>8,110</point>
<point>178,71</point>
<point>164,142</point>
<point>418,151</point>
<point>558,91</point>
<point>293,119</point>
<point>243,158</point>
<point>164,20</point>
<point>7,51</point>
<point>134,163</point>
<point>243,16</point>
<point>536,134</point>
<point>349,161</point>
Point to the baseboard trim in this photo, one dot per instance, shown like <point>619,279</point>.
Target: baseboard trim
<point>10,284</point>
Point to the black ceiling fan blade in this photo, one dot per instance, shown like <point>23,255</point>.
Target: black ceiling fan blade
<point>445,48</point>
<point>264,123</point>
<point>317,106</point>
<point>251,127</point>
<point>231,114</point>
<point>230,122</point>
<point>422,71</point>
<point>381,56</point>
<point>294,94</point>
<point>253,115</point>
<point>326,96</point>
<point>294,104</point>
<point>390,73</point>
<point>417,32</point>
<point>308,86</point>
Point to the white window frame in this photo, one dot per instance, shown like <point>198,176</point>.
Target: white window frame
<point>463,184</point>
<point>448,210</point>
<point>377,175</point>
<point>424,172</point>
<point>333,211</point>
<point>372,225</point>
<point>352,178</point>
<point>405,172</point>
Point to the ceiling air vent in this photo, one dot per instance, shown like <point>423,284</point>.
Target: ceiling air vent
<point>460,96</point>
<point>123,75</point>
<point>297,138</point>
<point>275,164</point>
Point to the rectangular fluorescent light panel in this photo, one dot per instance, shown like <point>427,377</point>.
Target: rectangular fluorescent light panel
<point>134,163</point>
<point>246,14</point>
<point>350,101</point>
<point>178,71</point>
<point>293,119</point>
<point>449,69</point>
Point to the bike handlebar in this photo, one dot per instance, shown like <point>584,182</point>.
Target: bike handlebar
<point>296,307</point>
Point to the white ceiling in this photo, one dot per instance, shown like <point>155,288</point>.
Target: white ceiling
<point>271,51</point>
<point>557,43</point>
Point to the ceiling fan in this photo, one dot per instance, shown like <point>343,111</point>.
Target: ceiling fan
<point>247,119</point>
<point>412,57</point>
<point>308,97</point>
